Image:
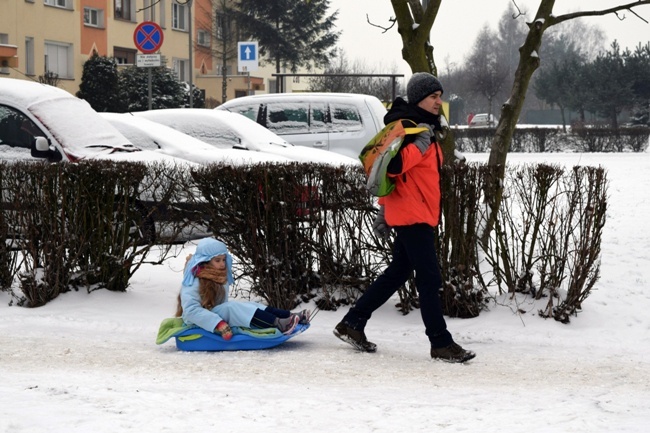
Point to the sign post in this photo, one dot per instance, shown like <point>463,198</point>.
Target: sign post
<point>247,59</point>
<point>148,38</point>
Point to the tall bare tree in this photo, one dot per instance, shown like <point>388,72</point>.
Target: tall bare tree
<point>414,26</point>
<point>217,21</point>
<point>529,61</point>
<point>418,53</point>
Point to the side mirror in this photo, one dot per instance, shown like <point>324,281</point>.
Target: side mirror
<point>41,149</point>
<point>41,144</point>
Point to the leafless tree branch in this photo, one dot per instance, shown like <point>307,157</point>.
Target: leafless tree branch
<point>614,10</point>
<point>393,20</point>
<point>519,12</point>
<point>148,7</point>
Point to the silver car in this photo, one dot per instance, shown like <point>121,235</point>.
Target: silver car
<point>339,122</point>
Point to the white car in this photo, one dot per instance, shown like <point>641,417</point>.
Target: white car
<point>338,122</point>
<point>39,122</point>
<point>483,120</point>
<point>156,137</point>
<point>226,130</point>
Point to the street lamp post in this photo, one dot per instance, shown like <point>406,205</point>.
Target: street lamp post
<point>189,12</point>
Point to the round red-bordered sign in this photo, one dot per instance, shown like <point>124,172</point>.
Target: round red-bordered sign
<point>148,37</point>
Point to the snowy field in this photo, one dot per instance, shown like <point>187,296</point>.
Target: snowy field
<point>88,363</point>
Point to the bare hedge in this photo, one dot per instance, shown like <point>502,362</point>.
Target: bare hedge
<point>538,139</point>
<point>299,232</point>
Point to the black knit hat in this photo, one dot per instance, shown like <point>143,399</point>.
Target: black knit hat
<point>421,85</point>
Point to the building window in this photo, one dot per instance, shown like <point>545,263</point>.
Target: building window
<point>149,10</point>
<point>203,38</point>
<point>123,9</point>
<point>94,17</point>
<point>124,56</point>
<point>163,13</point>
<point>59,3</point>
<point>181,67</point>
<point>179,17</point>
<point>227,70</point>
<point>58,59</point>
<point>223,26</point>
<point>273,83</point>
<point>29,56</point>
<point>4,39</point>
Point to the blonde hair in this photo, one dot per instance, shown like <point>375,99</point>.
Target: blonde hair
<point>212,290</point>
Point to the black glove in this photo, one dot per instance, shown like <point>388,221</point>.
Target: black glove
<point>379,226</point>
<point>423,139</point>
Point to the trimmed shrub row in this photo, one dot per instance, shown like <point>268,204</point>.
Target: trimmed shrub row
<point>299,232</point>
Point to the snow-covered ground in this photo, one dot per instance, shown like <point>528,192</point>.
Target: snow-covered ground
<point>89,363</point>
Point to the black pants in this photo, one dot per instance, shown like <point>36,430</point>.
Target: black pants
<point>266,318</point>
<point>414,250</point>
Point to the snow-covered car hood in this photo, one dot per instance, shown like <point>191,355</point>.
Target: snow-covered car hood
<point>159,138</point>
<point>226,130</point>
<point>80,130</point>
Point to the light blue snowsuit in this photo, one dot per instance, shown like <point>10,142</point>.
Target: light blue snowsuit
<point>234,312</point>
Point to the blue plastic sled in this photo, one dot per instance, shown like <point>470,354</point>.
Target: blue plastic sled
<point>197,339</point>
<point>192,338</point>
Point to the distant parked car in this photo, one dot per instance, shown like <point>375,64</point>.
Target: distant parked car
<point>483,120</point>
<point>339,122</point>
<point>160,138</point>
<point>228,131</point>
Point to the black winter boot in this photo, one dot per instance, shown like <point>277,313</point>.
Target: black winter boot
<point>452,353</point>
<point>355,338</point>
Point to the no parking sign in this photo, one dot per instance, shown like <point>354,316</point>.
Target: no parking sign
<point>148,37</point>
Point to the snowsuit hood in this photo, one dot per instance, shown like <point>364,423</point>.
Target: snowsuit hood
<point>206,249</point>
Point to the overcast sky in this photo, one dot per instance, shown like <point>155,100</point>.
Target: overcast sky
<point>457,26</point>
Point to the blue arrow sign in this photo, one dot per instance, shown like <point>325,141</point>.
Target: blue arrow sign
<point>247,52</point>
<point>248,60</point>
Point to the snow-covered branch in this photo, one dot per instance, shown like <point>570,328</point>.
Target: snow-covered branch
<point>613,10</point>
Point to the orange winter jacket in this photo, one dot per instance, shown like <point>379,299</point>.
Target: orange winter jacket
<point>416,197</point>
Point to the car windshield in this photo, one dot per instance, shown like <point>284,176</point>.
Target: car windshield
<point>205,129</point>
<point>77,127</point>
<point>221,129</point>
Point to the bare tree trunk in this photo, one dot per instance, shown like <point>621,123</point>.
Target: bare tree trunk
<point>511,109</point>
<point>416,49</point>
<point>418,53</point>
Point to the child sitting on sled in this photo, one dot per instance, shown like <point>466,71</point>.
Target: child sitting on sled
<point>203,300</point>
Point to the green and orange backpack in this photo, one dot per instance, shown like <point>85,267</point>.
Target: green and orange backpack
<point>377,154</point>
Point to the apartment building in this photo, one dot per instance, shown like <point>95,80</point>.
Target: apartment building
<point>58,36</point>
